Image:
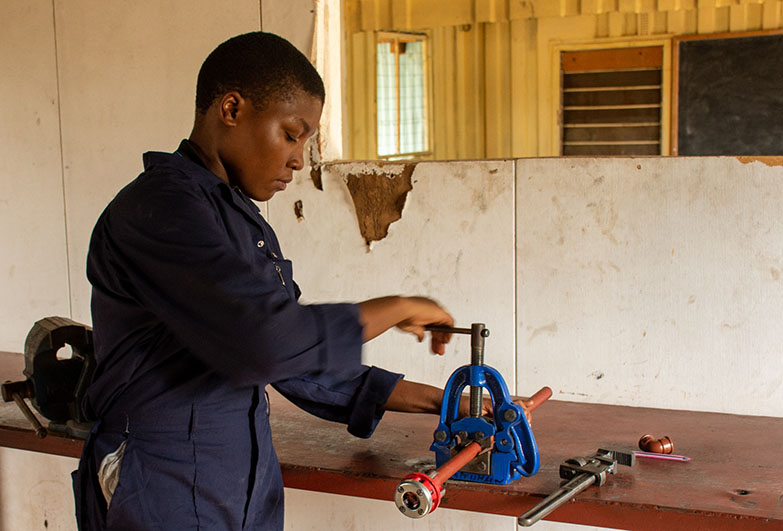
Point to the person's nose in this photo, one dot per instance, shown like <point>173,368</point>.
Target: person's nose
<point>296,161</point>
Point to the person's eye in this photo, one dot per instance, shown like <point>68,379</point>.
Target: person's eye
<point>289,137</point>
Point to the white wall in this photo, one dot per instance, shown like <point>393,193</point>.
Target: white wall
<point>361,514</point>
<point>35,491</point>
<point>127,76</point>
<point>646,282</point>
<point>33,266</point>
<point>652,282</point>
<point>117,79</point>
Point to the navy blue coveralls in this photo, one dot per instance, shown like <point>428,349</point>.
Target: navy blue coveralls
<point>194,311</point>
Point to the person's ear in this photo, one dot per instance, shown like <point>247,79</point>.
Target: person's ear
<point>230,108</point>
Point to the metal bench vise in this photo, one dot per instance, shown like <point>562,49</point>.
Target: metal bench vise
<point>55,384</point>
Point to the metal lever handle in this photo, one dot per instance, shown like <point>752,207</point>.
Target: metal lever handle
<point>448,329</point>
<point>18,391</point>
<point>40,431</point>
<point>556,499</point>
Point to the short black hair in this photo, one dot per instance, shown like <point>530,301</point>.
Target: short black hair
<point>260,66</point>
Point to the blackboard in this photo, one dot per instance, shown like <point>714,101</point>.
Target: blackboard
<point>729,95</point>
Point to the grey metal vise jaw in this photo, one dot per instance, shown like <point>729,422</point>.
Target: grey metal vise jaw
<point>55,386</point>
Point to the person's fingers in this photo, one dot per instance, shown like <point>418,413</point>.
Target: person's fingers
<point>439,341</point>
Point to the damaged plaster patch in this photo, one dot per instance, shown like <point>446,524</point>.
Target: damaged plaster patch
<point>378,193</point>
<point>769,161</point>
<point>316,148</point>
<point>391,169</point>
<point>317,178</point>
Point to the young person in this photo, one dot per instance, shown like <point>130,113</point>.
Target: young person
<point>195,311</point>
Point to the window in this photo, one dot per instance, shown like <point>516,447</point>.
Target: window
<point>402,112</point>
<point>611,101</point>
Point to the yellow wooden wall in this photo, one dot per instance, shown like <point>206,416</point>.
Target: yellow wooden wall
<point>495,75</point>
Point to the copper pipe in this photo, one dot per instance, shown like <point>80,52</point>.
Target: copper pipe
<point>541,396</point>
<point>648,443</point>
<point>453,465</point>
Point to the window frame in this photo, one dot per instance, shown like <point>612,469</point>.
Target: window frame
<point>425,39</point>
<point>632,71</point>
<point>555,111</point>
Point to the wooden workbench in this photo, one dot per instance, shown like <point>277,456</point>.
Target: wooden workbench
<point>734,481</point>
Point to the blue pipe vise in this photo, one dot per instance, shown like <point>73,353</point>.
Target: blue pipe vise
<point>509,448</point>
<point>495,449</point>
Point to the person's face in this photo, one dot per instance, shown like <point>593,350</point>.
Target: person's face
<point>264,147</point>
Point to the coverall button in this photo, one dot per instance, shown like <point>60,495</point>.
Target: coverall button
<point>260,243</point>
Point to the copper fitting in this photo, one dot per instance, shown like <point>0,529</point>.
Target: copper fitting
<point>648,443</point>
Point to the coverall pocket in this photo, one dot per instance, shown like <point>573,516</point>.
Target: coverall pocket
<point>109,472</point>
<point>118,480</point>
<point>154,490</point>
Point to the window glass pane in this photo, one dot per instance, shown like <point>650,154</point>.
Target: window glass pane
<point>387,100</point>
<point>412,117</point>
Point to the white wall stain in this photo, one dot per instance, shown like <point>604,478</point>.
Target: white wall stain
<point>605,217</point>
<point>550,329</point>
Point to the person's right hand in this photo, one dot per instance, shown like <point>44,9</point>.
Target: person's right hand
<point>423,312</point>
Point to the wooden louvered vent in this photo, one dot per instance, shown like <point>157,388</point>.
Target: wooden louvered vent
<point>611,101</point>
